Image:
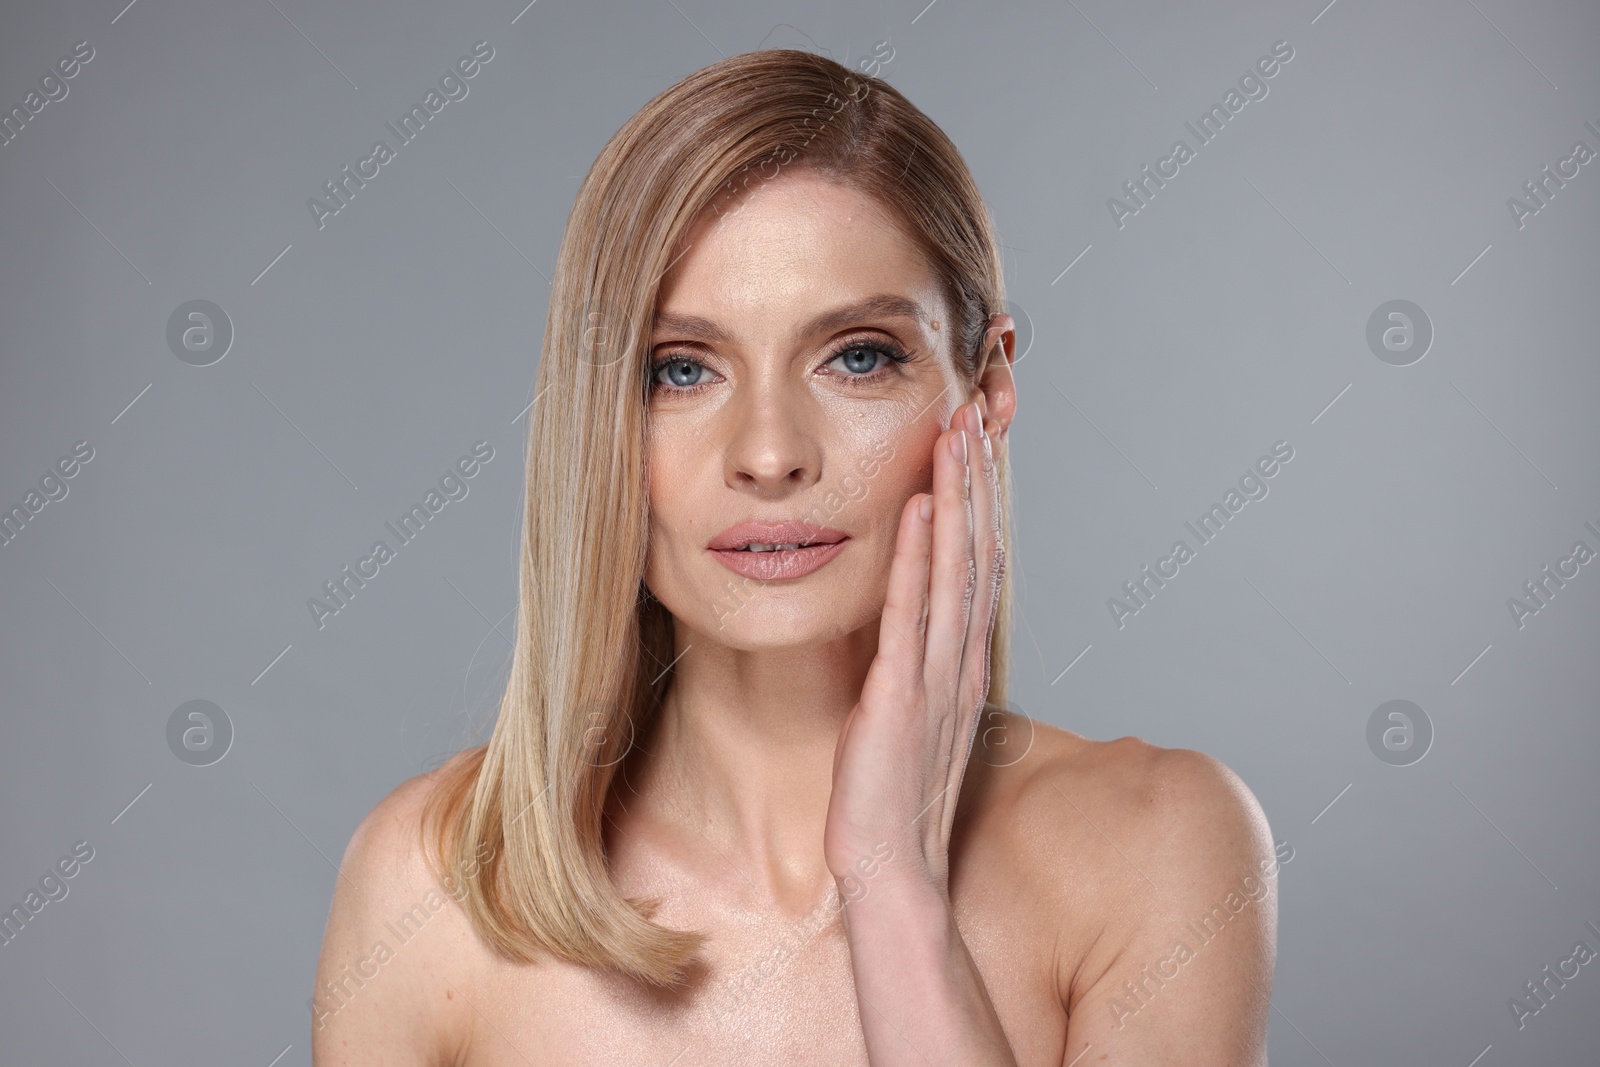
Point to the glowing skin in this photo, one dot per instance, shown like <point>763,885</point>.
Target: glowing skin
<point>778,422</point>
<point>798,348</point>
<point>1072,862</point>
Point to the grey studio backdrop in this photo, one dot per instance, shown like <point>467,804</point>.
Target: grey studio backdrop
<point>1372,273</point>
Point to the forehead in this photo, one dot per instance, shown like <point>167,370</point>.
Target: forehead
<point>786,245</point>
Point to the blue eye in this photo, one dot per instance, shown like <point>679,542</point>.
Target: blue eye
<point>860,359</point>
<point>679,373</point>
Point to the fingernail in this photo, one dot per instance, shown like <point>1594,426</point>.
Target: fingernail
<point>974,422</point>
<point>925,509</point>
<point>958,446</point>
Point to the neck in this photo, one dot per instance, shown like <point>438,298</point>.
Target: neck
<point>740,759</point>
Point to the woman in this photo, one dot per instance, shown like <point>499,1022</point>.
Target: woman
<point>752,797</point>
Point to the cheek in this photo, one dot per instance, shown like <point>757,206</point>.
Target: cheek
<point>883,461</point>
<point>673,502</point>
<point>879,462</point>
<point>893,455</point>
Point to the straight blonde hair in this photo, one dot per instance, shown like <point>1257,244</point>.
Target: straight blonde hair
<point>587,668</point>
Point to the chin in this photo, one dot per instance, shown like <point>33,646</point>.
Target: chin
<point>777,625</point>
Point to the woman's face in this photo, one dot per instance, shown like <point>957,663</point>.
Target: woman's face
<point>802,367</point>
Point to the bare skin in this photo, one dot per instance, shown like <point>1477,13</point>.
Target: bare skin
<point>1035,923</point>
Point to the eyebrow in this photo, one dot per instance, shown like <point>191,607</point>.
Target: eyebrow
<point>882,304</point>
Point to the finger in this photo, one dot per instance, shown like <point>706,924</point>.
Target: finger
<point>951,565</point>
<point>898,664</point>
<point>989,554</point>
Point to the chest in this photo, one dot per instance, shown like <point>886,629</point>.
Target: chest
<point>770,991</point>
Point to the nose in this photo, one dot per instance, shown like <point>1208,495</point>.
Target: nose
<point>772,447</point>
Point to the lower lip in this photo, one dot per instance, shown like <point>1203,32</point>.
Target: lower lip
<point>778,564</point>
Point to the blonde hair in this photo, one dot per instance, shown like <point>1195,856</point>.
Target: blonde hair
<point>587,669</point>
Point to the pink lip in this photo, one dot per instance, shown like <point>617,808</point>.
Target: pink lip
<point>824,544</point>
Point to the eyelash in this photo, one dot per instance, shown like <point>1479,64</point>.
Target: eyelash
<point>890,350</point>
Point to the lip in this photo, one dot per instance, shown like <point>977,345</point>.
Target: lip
<point>825,544</point>
<point>775,533</point>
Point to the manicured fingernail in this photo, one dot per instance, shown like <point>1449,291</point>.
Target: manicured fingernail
<point>925,509</point>
<point>974,422</point>
<point>958,446</point>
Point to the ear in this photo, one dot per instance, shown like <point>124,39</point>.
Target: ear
<point>995,390</point>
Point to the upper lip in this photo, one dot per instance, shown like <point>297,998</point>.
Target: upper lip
<point>790,532</point>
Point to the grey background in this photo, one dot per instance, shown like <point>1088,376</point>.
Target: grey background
<point>1228,314</point>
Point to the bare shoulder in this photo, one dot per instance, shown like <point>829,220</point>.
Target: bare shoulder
<point>1146,858</point>
<point>1181,799</point>
<point>398,954</point>
<point>1180,804</point>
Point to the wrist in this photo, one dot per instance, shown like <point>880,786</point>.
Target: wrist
<point>905,924</point>
<point>897,886</point>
